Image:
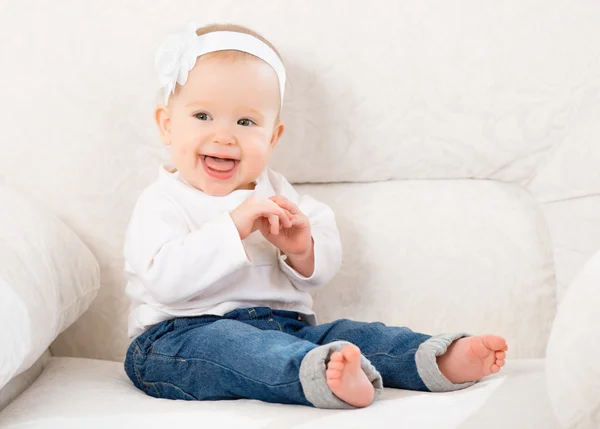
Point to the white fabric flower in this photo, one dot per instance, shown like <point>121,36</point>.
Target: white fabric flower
<point>175,57</point>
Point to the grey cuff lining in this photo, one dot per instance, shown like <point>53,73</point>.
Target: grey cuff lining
<point>314,380</point>
<point>427,367</point>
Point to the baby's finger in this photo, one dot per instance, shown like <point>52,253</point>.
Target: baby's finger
<point>270,208</point>
<point>284,216</point>
<point>289,215</point>
<point>300,221</point>
<point>274,222</point>
<point>283,202</point>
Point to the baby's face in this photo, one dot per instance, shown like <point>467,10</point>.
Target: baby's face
<point>223,124</point>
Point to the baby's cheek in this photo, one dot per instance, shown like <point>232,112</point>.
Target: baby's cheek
<point>257,159</point>
<point>182,158</point>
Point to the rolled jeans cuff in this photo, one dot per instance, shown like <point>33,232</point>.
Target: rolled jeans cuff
<point>427,367</point>
<point>314,380</point>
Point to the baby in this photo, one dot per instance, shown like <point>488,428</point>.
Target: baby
<point>222,253</point>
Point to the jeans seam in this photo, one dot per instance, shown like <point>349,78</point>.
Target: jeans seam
<point>164,357</point>
<point>372,354</point>
<point>155,339</point>
<point>149,385</point>
<point>280,328</point>
<point>153,384</point>
<point>382,354</point>
<point>136,353</point>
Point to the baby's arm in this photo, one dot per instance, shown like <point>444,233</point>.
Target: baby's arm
<point>174,263</point>
<point>327,245</point>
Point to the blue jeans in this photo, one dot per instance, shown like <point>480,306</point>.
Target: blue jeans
<point>273,356</point>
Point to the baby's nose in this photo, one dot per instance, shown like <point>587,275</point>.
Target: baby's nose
<point>224,135</point>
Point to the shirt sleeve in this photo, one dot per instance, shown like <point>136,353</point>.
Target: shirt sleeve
<point>173,263</point>
<point>327,245</point>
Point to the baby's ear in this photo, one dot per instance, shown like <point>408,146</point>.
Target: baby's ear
<point>277,132</point>
<point>163,120</point>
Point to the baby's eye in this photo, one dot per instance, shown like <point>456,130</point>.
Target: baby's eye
<point>203,116</point>
<point>246,122</point>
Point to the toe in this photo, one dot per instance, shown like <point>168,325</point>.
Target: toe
<point>495,368</point>
<point>336,357</point>
<point>500,355</point>
<point>333,374</point>
<point>500,362</point>
<point>494,342</point>
<point>334,383</point>
<point>351,352</point>
<point>337,365</point>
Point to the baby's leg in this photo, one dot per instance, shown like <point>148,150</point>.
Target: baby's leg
<point>228,359</point>
<point>409,360</point>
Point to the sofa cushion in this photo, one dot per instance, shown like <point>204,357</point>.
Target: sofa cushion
<point>75,393</point>
<point>439,256</point>
<point>21,382</point>
<point>48,278</point>
<point>573,367</point>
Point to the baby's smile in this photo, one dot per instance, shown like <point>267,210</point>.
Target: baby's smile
<point>219,167</point>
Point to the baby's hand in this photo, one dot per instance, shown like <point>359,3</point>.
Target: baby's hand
<point>255,213</point>
<point>295,240</point>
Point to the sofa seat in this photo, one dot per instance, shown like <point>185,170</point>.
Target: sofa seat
<point>94,394</point>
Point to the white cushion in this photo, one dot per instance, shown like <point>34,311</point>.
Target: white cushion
<point>572,366</point>
<point>21,382</point>
<point>48,278</point>
<point>94,394</point>
<point>442,256</point>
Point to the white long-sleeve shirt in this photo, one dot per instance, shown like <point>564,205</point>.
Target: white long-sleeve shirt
<point>184,256</point>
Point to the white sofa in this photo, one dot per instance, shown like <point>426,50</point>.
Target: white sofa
<point>458,143</point>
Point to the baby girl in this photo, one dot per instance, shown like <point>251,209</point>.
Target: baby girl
<point>222,254</point>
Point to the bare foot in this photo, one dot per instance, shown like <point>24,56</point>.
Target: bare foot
<point>472,358</point>
<point>347,380</point>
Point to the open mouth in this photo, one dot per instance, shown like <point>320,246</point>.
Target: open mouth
<point>219,168</point>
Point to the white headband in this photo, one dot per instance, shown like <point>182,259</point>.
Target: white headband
<point>177,55</point>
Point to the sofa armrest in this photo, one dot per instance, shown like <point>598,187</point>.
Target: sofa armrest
<point>572,364</point>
